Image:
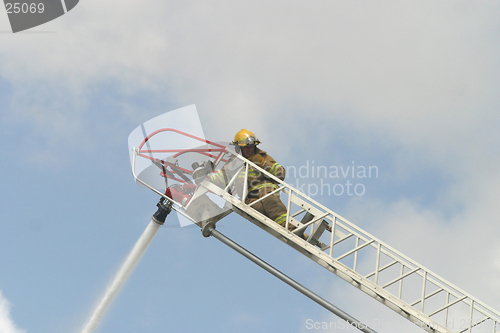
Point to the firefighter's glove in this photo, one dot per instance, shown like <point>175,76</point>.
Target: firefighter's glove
<point>259,160</point>
<point>202,171</point>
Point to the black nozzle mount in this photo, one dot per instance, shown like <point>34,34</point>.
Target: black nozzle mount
<point>164,208</point>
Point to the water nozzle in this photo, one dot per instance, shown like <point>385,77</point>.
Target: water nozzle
<point>164,208</point>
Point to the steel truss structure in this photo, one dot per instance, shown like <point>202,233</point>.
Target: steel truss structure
<point>364,261</point>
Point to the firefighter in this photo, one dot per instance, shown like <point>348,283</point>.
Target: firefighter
<point>259,184</point>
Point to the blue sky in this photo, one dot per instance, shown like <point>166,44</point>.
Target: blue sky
<point>411,88</point>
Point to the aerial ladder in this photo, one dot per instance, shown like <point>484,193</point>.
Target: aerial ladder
<point>333,242</point>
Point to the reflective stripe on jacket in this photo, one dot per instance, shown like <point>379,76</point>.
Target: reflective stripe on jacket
<point>256,179</point>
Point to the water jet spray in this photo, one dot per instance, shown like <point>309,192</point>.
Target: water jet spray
<point>158,219</point>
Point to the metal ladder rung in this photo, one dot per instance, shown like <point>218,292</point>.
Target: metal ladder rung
<point>342,239</point>
<point>447,306</point>
<point>401,277</point>
<point>298,213</point>
<point>304,226</point>
<point>354,250</point>
<point>426,297</point>
<point>478,323</point>
<point>382,269</point>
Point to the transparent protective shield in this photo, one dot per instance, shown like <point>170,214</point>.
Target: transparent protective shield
<point>162,137</point>
<point>170,152</point>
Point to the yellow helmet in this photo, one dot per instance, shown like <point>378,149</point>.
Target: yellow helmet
<point>245,138</point>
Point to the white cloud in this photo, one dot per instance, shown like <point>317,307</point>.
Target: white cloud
<point>6,323</point>
<point>412,71</point>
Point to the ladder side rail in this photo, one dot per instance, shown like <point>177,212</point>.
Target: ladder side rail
<point>337,267</point>
<point>449,288</point>
<point>419,269</point>
<point>464,299</point>
<point>385,249</point>
<point>447,306</point>
<point>377,292</point>
<point>388,250</point>
<point>433,278</point>
<point>437,280</point>
<point>427,276</point>
<point>460,298</point>
<point>352,225</point>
